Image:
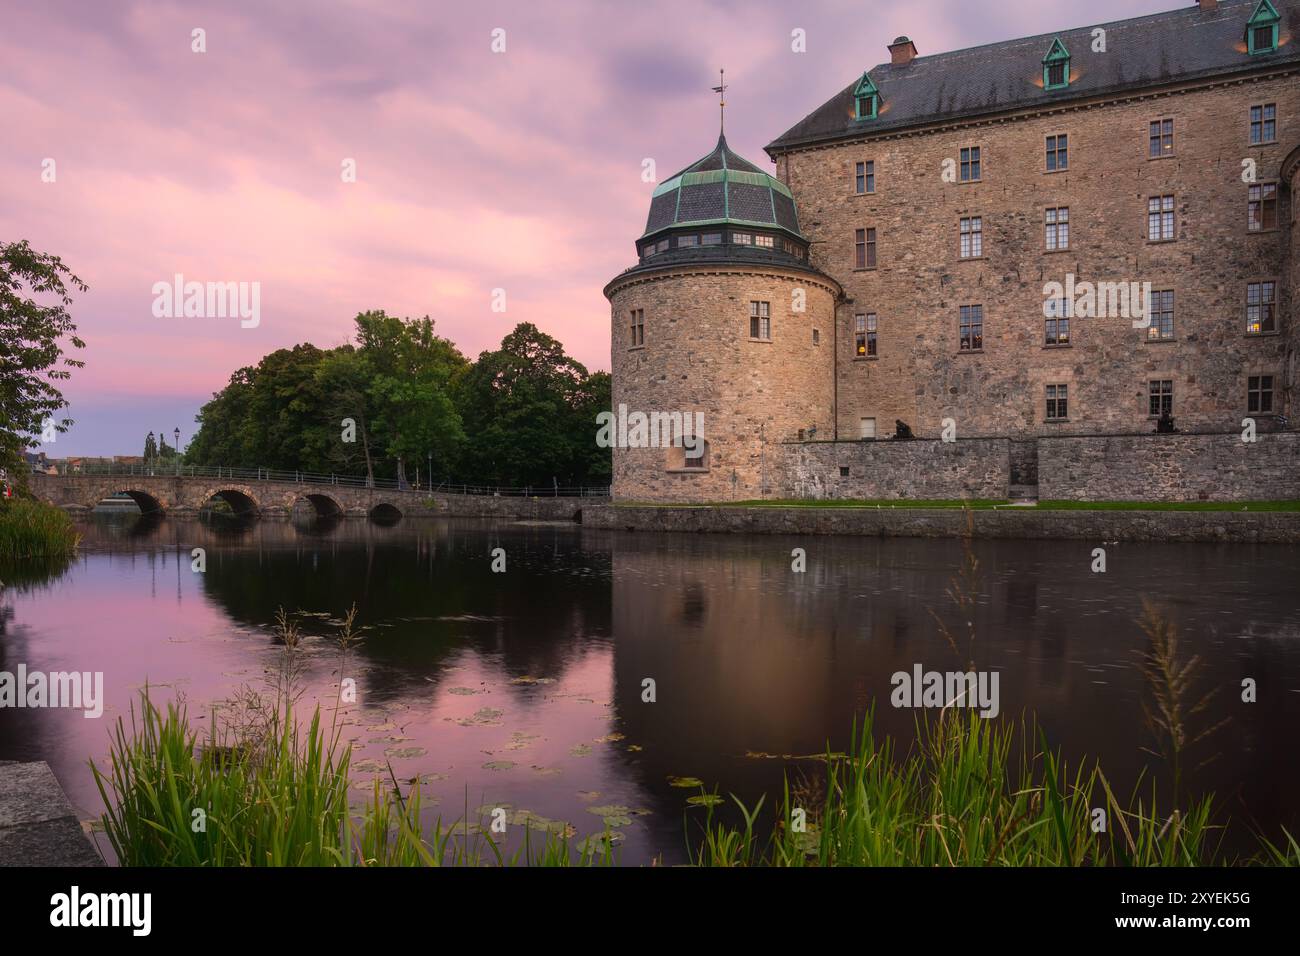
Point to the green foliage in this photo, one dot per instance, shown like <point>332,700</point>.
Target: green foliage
<point>962,799</point>
<point>32,339</point>
<point>34,537</point>
<point>523,414</point>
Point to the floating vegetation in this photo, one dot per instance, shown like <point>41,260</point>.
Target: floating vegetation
<point>500,765</point>
<point>483,717</point>
<point>691,782</point>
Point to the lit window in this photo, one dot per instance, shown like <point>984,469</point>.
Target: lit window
<point>970,329</point>
<point>1160,309</point>
<point>864,334</point>
<point>1261,301</point>
<point>767,242</point>
<point>742,238</point>
<point>1057,323</point>
<point>972,237</point>
<point>1161,138</point>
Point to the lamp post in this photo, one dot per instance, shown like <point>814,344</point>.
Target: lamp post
<point>177,433</point>
<point>147,444</point>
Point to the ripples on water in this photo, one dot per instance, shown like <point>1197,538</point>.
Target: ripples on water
<point>523,689</point>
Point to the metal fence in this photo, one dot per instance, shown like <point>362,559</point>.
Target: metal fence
<point>350,481</point>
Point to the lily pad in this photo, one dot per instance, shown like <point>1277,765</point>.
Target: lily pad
<point>581,750</point>
<point>704,800</point>
<point>404,753</point>
<point>691,782</point>
<point>500,765</point>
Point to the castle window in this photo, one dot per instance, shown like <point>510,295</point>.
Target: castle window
<point>970,164</point>
<point>648,250</point>
<point>1261,300</point>
<point>1160,309</point>
<point>1057,403</point>
<point>1160,395</point>
<point>864,178</point>
<point>766,242</point>
<point>638,327</point>
<point>1056,223</point>
<point>1056,326</point>
<point>681,458</point>
<point>1161,138</point>
<point>971,230</point>
<point>1160,218</point>
<point>817,337</point>
<point>1259,394</point>
<point>970,329</point>
<point>864,334</point>
<point>1261,29</point>
<point>866,99</point>
<point>711,239</point>
<point>1263,124</point>
<point>683,241</point>
<point>864,248</point>
<point>760,321</point>
<point>1261,207</point>
<point>742,238</point>
<point>1058,153</point>
<point>661,245</point>
<point>1056,67</point>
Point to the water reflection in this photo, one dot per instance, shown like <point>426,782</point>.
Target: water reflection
<point>525,687</point>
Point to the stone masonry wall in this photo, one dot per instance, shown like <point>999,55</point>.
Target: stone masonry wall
<point>978,468</point>
<point>921,376</point>
<point>1170,468</point>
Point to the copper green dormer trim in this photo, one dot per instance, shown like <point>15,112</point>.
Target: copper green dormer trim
<point>1261,28</point>
<point>866,98</point>
<point>1056,67</point>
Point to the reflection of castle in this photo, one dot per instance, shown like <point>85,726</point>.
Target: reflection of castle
<point>896,266</point>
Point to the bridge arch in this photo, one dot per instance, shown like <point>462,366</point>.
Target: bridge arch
<point>147,503</point>
<point>240,500</point>
<point>325,506</point>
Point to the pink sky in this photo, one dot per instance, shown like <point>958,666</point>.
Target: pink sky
<point>475,170</point>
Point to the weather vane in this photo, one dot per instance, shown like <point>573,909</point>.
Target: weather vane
<point>721,90</point>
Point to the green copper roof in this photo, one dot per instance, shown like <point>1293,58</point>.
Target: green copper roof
<point>721,188</point>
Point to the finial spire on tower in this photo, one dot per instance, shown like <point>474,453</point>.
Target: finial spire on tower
<point>721,90</point>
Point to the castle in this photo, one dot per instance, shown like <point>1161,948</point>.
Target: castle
<point>949,244</point>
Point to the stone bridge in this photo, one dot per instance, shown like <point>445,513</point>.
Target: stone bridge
<point>246,496</point>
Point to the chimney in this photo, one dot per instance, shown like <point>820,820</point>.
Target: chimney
<point>903,51</point>
<point>1208,6</point>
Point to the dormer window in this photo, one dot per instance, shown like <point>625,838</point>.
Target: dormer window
<point>1261,28</point>
<point>1056,66</point>
<point>866,98</point>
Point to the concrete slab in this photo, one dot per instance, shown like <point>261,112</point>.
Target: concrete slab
<point>38,826</point>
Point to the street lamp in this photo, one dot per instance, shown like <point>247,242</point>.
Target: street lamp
<point>150,442</point>
<point>177,433</point>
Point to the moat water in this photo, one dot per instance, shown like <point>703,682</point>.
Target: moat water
<point>524,688</point>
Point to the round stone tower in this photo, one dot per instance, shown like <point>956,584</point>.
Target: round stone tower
<point>723,322</point>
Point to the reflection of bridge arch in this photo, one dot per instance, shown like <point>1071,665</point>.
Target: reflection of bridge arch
<point>146,502</point>
<point>385,513</point>
<point>241,501</point>
<point>326,506</point>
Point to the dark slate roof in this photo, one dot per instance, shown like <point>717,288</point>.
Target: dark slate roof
<point>1153,50</point>
<point>722,187</point>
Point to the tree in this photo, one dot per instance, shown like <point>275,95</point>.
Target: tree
<point>150,448</point>
<point>32,341</point>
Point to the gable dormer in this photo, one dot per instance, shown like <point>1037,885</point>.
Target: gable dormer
<point>1261,28</point>
<point>1056,67</point>
<point>866,99</point>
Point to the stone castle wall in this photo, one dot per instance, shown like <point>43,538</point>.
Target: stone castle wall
<point>921,376</point>
<point>978,468</point>
<point>1170,468</point>
<point>698,357</point>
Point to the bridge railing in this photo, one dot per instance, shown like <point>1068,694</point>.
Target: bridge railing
<point>316,478</point>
